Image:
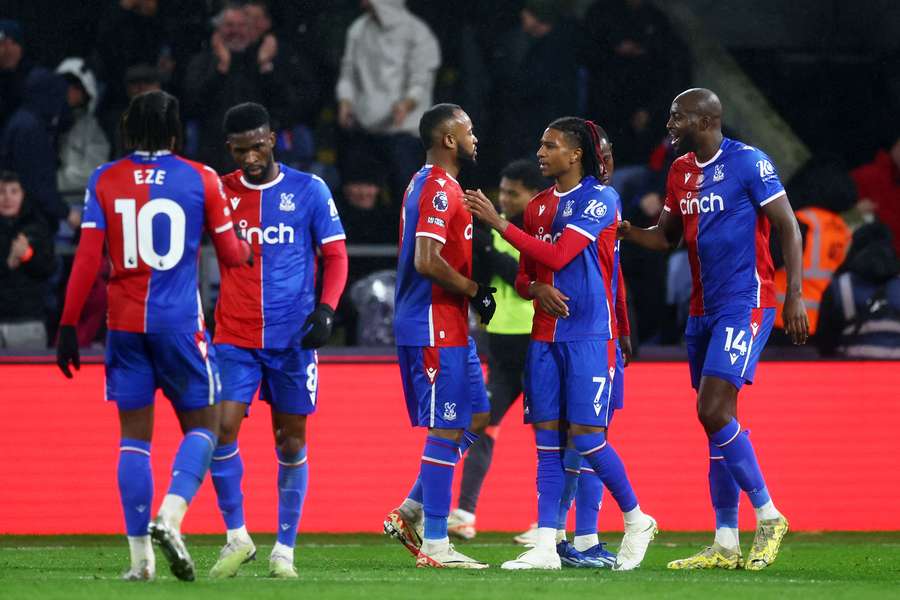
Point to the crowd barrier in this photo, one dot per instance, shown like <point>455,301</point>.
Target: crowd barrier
<point>825,433</point>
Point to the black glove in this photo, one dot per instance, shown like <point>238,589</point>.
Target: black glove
<point>318,326</point>
<point>484,303</point>
<point>67,350</point>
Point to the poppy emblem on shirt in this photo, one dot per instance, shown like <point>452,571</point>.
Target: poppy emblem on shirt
<point>440,201</point>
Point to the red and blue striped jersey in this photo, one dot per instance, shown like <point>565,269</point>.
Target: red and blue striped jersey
<point>425,314</point>
<point>285,221</point>
<point>725,230</point>
<point>591,209</point>
<point>154,208</point>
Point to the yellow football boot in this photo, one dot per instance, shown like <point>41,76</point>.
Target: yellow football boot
<point>711,557</point>
<point>766,543</point>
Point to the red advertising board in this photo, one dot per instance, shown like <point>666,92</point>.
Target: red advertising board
<point>825,434</point>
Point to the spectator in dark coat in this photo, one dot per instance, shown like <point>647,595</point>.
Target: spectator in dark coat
<point>234,70</point>
<point>26,262</point>
<point>27,144</point>
<point>635,65</point>
<point>130,33</point>
<point>535,75</point>
<point>14,67</point>
<point>859,315</point>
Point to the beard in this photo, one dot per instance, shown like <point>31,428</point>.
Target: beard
<point>464,157</point>
<point>258,178</point>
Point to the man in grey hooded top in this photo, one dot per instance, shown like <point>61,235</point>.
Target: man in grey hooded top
<point>385,85</point>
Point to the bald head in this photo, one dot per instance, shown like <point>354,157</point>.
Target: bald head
<point>701,102</point>
<point>695,121</point>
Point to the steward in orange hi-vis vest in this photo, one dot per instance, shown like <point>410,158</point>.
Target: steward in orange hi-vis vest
<point>826,244</point>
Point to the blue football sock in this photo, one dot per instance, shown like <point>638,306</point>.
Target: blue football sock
<point>465,442</point>
<point>293,479</point>
<point>740,458</point>
<point>191,462</point>
<point>572,465</point>
<point>436,474</point>
<point>608,467</point>
<point>135,485</point>
<point>227,470</point>
<point>587,502</point>
<point>723,490</point>
<point>550,475</point>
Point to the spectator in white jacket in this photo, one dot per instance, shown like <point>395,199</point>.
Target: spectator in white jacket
<point>83,147</point>
<point>385,85</point>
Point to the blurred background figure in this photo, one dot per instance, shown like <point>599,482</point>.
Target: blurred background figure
<point>26,263</point>
<point>28,144</point>
<point>860,310</point>
<point>238,66</point>
<point>385,85</point>
<point>878,184</point>
<point>83,146</point>
<point>819,193</point>
<point>634,63</point>
<point>535,73</point>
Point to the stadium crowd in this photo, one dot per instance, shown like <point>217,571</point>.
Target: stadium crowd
<point>346,84</point>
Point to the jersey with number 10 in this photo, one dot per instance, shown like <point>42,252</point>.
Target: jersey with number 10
<point>154,208</point>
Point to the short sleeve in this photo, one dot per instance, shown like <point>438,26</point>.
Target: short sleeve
<point>592,212</point>
<point>215,203</point>
<point>93,217</point>
<point>437,206</point>
<point>326,223</point>
<point>759,177</point>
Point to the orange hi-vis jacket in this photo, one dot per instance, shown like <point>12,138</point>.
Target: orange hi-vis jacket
<point>826,245</point>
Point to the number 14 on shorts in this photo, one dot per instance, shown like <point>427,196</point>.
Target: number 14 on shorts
<point>735,342</point>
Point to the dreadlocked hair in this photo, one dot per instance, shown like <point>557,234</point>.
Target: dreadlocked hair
<point>151,122</point>
<point>586,135</point>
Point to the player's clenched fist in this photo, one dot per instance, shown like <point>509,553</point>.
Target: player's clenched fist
<point>67,350</point>
<point>484,303</point>
<point>318,326</point>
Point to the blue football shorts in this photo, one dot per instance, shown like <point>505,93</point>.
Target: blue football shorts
<point>443,386</point>
<point>183,365</point>
<point>571,381</point>
<point>728,343</point>
<point>287,378</point>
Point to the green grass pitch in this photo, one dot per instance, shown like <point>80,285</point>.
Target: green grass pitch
<point>829,565</point>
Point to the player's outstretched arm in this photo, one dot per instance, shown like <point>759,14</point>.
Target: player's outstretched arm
<point>81,280</point>
<point>664,236</point>
<point>552,255</point>
<point>780,213</point>
<point>429,263</point>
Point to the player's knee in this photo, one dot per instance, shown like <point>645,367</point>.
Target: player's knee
<point>712,415</point>
<point>291,445</point>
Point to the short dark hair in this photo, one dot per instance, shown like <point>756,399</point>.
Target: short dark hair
<point>586,135</point>
<point>152,122</point>
<point>9,177</point>
<point>525,172</point>
<point>246,117</point>
<point>433,118</point>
